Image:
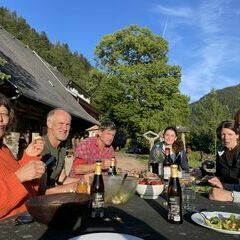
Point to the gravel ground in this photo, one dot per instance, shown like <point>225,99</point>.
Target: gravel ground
<point>129,161</point>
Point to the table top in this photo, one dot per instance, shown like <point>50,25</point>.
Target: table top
<point>145,219</point>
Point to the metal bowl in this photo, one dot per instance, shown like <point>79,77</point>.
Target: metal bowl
<point>61,209</point>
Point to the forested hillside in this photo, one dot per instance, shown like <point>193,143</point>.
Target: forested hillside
<point>207,113</point>
<point>229,96</point>
<point>73,65</point>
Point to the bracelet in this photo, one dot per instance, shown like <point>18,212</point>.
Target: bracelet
<point>232,194</point>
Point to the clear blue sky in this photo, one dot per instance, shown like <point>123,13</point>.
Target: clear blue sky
<point>203,35</point>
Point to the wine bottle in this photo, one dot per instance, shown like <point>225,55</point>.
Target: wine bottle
<point>97,193</point>
<point>167,165</point>
<point>156,161</point>
<point>153,166</point>
<point>174,197</point>
<point>112,169</point>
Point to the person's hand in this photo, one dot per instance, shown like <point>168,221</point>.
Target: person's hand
<point>32,170</point>
<point>215,182</point>
<point>220,195</point>
<point>35,148</point>
<point>70,187</point>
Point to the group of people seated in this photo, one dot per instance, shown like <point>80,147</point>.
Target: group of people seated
<point>41,168</point>
<point>226,183</point>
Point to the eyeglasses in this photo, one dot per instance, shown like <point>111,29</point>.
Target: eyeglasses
<point>4,115</point>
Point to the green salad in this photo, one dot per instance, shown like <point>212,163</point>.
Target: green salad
<point>202,189</point>
<point>231,223</point>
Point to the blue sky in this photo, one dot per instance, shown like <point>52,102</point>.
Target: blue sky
<point>203,35</point>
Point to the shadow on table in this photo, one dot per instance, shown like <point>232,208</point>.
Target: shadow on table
<point>115,220</point>
<point>163,211</point>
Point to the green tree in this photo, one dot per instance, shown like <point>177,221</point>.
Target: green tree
<point>205,116</point>
<point>134,85</point>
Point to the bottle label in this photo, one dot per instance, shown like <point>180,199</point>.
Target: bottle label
<point>174,209</point>
<point>98,200</point>
<point>167,172</point>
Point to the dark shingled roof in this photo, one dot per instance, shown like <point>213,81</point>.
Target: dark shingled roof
<point>36,79</point>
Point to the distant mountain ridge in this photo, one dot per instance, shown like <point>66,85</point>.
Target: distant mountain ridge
<point>229,96</point>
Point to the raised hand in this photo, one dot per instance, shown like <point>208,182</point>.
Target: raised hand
<point>32,170</point>
<point>35,148</point>
<point>215,182</point>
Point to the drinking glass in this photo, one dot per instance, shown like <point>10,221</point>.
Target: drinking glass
<point>82,187</point>
<point>188,192</point>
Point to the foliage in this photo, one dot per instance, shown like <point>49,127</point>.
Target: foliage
<point>229,96</point>
<point>73,65</point>
<point>3,76</point>
<point>204,118</point>
<point>134,85</point>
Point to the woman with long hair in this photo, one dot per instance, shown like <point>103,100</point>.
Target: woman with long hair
<point>171,141</point>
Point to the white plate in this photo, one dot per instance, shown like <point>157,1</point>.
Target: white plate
<point>199,219</point>
<point>106,236</point>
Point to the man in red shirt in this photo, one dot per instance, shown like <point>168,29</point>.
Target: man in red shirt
<point>94,148</point>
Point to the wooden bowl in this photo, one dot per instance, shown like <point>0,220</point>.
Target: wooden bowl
<point>59,210</point>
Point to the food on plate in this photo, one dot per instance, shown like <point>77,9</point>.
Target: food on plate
<point>202,189</point>
<point>231,223</point>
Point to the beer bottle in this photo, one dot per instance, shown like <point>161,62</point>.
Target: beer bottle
<point>97,192</point>
<point>112,169</point>
<point>167,165</point>
<point>174,197</point>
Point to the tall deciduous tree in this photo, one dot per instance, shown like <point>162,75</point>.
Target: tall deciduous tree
<point>134,85</point>
<point>205,116</point>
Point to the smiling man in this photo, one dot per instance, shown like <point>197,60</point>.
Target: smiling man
<point>58,127</point>
<point>94,148</point>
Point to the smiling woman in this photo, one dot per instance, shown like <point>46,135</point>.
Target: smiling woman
<point>228,160</point>
<point>17,178</point>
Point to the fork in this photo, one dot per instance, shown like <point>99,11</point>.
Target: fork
<point>202,214</point>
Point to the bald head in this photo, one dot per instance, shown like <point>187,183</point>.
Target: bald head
<point>58,124</point>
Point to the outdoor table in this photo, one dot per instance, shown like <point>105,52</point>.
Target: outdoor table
<point>146,219</point>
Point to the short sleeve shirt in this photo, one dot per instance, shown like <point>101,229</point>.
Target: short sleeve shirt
<point>88,152</point>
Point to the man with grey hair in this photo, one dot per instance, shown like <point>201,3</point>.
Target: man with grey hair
<point>58,127</point>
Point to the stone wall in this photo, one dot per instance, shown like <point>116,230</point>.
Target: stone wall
<point>11,140</point>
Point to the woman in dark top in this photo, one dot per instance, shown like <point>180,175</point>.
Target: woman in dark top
<point>177,152</point>
<point>228,160</point>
